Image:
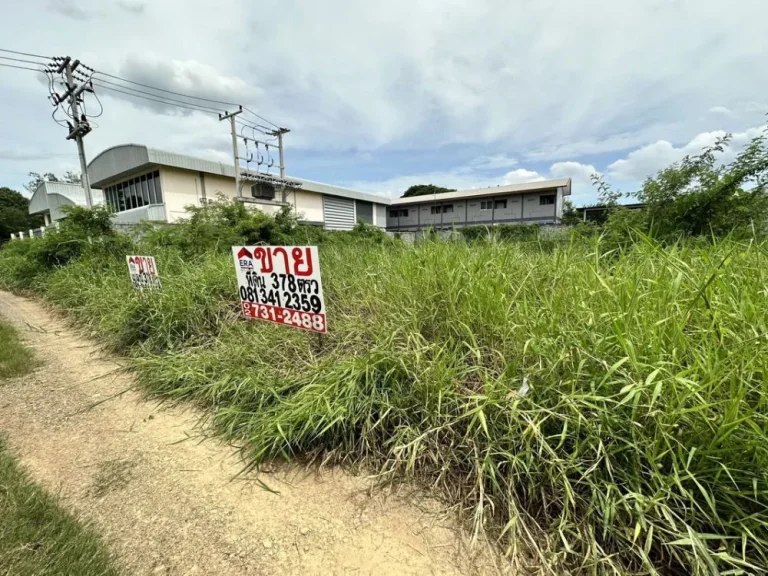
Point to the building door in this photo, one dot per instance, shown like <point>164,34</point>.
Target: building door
<point>338,213</point>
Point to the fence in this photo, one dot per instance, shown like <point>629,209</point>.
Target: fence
<point>34,232</point>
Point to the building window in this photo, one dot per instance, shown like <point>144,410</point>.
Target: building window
<point>393,213</point>
<point>500,205</point>
<point>404,213</point>
<point>140,191</point>
<point>448,208</point>
<point>547,200</point>
<point>434,210</point>
<point>486,205</point>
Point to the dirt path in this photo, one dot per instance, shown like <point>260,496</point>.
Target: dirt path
<point>168,504</point>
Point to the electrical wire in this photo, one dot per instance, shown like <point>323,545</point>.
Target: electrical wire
<point>172,103</point>
<point>101,111</point>
<point>100,80</point>
<point>23,68</point>
<point>260,117</point>
<point>164,90</point>
<point>21,60</point>
<point>184,95</point>
<point>26,54</point>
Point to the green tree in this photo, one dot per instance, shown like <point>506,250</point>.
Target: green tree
<point>36,179</point>
<point>14,214</point>
<point>424,189</point>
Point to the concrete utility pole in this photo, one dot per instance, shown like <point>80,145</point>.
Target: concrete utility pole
<point>81,126</point>
<point>279,133</point>
<point>231,116</point>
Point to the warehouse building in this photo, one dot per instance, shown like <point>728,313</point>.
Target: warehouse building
<point>141,183</point>
<point>535,202</point>
<point>50,197</point>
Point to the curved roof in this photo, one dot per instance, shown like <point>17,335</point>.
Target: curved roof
<point>119,162</point>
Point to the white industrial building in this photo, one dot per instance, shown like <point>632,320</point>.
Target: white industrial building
<point>50,197</point>
<point>534,202</point>
<point>141,183</point>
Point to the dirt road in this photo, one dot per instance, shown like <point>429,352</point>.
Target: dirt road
<point>166,501</point>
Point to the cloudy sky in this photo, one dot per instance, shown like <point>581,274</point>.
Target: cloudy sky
<point>382,95</point>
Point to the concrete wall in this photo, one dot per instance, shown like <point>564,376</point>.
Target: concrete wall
<point>180,188</point>
<point>308,205</point>
<point>532,207</point>
<point>380,215</point>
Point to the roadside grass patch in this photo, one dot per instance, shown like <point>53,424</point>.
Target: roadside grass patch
<point>37,538</point>
<point>15,359</point>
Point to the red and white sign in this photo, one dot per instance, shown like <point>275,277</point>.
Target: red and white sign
<point>143,271</point>
<point>281,284</point>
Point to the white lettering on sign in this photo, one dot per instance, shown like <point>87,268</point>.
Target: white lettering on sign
<point>143,271</point>
<point>281,284</point>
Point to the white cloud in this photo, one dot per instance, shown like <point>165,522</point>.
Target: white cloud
<point>577,171</point>
<point>521,176</point>
<point>532,83</point>
<point>648,160</point>
<point>720,110</point>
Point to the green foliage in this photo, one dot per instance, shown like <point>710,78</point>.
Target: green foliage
<point>597,403</point>
<point>36,179</point>
<point>14,214</point>
<point>15,359</point>
<point>698,196</point>
<point>570,217</point>
<point>503,232</point>
<point>37,537</point>
<point>424,189</point>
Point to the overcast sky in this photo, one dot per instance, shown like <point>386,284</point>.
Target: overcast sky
<point>382,95</point>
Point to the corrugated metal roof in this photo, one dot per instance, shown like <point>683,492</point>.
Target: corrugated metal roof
<point>52,195</point>
<point>116,163</point>
<point>493,191</point>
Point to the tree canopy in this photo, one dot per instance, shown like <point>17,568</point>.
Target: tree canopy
<point>424,189</point>
<point>14,214</point>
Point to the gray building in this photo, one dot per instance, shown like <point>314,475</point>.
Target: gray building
<point>142,183</point>
<point>535,202</point>
<point>51,197</point>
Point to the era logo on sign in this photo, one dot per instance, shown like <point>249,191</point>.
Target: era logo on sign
<point>245,259</point>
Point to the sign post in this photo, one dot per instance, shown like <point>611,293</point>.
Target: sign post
<point>143,271</point>
<point>281,284</point>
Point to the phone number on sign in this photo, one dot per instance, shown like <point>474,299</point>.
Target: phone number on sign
<point>304,320</point>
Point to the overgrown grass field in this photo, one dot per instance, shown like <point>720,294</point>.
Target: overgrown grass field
<point>597,410</point>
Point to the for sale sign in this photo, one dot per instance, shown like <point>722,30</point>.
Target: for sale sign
<point>143,271</point>
<point>281,284</point>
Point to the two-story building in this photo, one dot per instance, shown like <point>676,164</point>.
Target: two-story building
<point>535,202</point>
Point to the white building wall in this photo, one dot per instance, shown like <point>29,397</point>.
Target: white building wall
<point>532,207</point>
<point>307,205</point>
<point>181,188</point>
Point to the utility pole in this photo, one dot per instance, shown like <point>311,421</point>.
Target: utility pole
<point>279,133</point>
<point>81,126</point>
<point>231,116</point>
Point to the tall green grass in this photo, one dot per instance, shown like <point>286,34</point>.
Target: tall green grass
<point>596,411</point>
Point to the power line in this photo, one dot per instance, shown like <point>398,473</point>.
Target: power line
<point>23,68</point>
<point>26,54</point>
<point>260,117</point>
<point>208,108</point>
<point>21,60</point>
<point>166,102</point>
<point>183,95</point>
<point>164,90</point>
